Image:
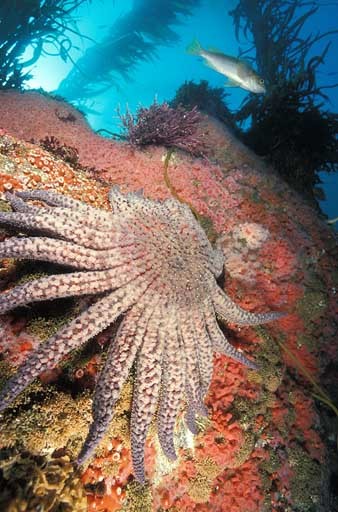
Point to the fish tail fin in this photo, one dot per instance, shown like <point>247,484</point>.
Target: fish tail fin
<point>194,48</point>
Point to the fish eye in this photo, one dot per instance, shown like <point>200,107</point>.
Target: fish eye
<point>261,81</point>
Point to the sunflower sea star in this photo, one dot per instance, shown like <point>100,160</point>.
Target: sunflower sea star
<point>146,260</point>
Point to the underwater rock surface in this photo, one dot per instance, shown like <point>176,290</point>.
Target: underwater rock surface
<point>264,446</point>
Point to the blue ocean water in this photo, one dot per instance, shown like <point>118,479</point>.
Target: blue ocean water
<point>160,77</point>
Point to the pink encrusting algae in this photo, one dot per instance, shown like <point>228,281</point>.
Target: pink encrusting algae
<point>260,449</point>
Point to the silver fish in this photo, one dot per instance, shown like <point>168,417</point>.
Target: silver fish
<point>239,73</point>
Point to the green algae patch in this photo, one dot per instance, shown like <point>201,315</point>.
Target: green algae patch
<point>6,371</point>
<point>44,420</point>
<point>208,467</point>
<point>201,485</point>
<point>29,276</point>
<point>268,376</point>
<point>138,498</point>
<point>269,352</point>
<point>245,450</point>
<point>267,469</point>
<point>272,464</point>
<point>244,411</point>
<point>44,328</point>
<point>199,488</point>
<point>208,227</point>
<point>40,483</point>
<point>334,277</point>
<point>306,480</point>
<point>309,342</point>
<point>203,423</point>
<point>4,207</point>
<point>312,305</point>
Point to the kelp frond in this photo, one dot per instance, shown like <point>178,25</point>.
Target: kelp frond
<point>289,126</point>
<point>41,25</point>
<point>132,39</point>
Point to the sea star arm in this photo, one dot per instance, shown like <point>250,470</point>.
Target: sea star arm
<point>146,391</point>
<point>229,311</point>
<point>120,358</point>
<point>191,413</point>
<point>18,204</point>
<point>69,253</point>
<point>213,258</point>
<point>56,251</point>
<point>216,264</point>
<point>124,203</point>
<point>172,388</point>
<point>59,286</point>
<point>96,218</point>
<point>55,223</point>
<point>204,350</point>
<point>192,374</point>
<point>219,341</point>
<point>92,321</point>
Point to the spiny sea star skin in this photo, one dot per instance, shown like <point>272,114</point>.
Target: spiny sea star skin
<point>149,261</point>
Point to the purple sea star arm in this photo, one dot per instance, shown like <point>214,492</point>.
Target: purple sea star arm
<point>216,264</point>
<point>57,251</point>
<point>146,390</point>
<point>99,219</point>
<point>124,203</point>
<point>190,417</point>
<point>217,261</point>
<point>172,387</point>
<point>68,253</point>
<point>218,256</point>
<point>52,287</point>
<point>219,341</point>
<point>120,358</point>
<point>66,285</point>
<point>204,350</point>
<point>229,311</point>
<point>55,199</point>
<point>55,223</point>
<point>119,202</point>
<point>92,321</point>
<point>214,258</point>
<point>18,204</point>
<point>192,373</point>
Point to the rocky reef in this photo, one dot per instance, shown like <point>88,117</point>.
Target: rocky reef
<point>268,443</point>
